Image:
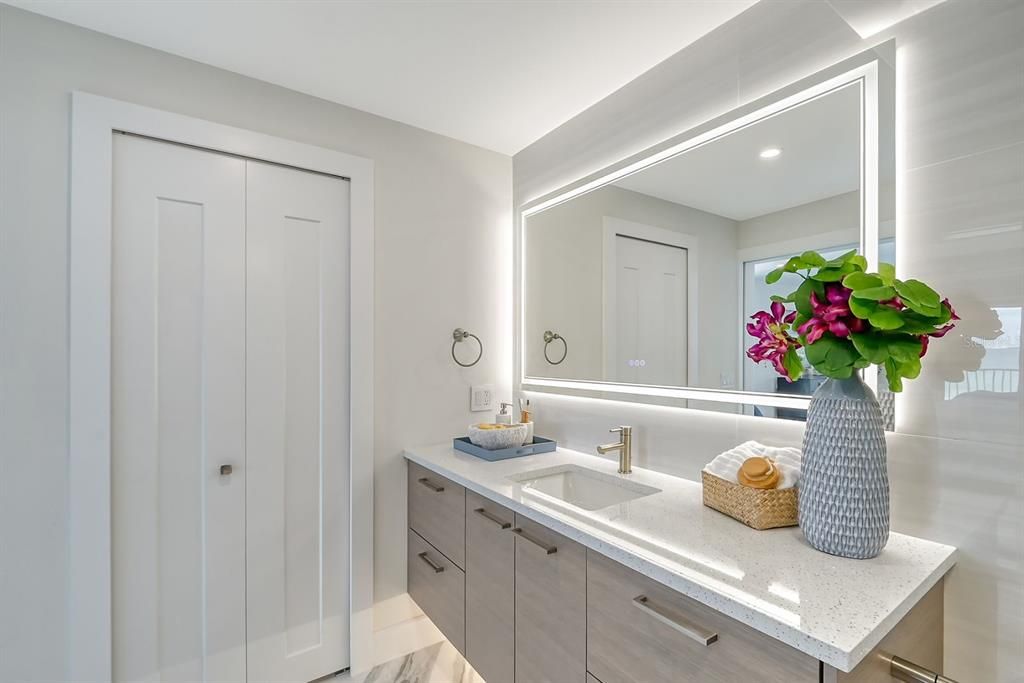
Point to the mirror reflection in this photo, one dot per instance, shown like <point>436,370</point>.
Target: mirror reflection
<point>650,280</point>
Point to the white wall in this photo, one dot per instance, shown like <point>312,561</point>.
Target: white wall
<point>839,214</point>
<point>956,467</point>
<point>438,202</point>
<point>564,281</point>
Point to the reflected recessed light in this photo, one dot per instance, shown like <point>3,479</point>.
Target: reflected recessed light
<point>770,152</point>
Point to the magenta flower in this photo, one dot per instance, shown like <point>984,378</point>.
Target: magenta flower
<point>772,332</point>
<point>832,315</point>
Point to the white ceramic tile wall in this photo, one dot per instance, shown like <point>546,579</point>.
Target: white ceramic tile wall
<point>957,467</point>
<point>438,201</point>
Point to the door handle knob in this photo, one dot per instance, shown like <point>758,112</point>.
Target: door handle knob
<point>225,470</point>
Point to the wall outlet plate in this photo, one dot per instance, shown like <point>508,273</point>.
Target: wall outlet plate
<point>481,398</point>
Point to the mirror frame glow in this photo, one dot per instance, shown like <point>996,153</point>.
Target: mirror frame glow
<point>862,70</point>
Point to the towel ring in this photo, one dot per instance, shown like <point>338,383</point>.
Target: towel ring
<point>549,337</point>
<point>459,335</point>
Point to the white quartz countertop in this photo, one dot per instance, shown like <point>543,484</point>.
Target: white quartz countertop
<point>831,608</point>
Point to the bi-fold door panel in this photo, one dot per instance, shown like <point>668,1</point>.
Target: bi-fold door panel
<point>297,430</point>
<point>230,425</point>
<point>178,413</point>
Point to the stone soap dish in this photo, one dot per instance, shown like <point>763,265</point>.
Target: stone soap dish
<point>497,437</point>
<point>539,445</point>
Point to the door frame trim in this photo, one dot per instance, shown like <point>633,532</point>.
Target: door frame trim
<point>94,120</point>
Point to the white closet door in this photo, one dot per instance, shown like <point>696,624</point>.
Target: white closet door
<point>651,312</point>
<point>297,427</point>
<point>178,378</point>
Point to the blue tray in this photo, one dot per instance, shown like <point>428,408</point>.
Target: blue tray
<point>539,445</point>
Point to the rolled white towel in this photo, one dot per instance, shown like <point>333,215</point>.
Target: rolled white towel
<point>727,464</point>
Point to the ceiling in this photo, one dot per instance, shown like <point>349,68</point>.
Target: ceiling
<point>820,143</point>
<point>497,73</point>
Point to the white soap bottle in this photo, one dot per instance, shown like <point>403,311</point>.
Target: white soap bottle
<point>503,417</point>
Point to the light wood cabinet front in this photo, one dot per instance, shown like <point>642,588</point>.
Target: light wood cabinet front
<point>439,588</point>
<point>490,589</point>
<point>437,512</point>
<point>639,630</point>
<point>551,606</point>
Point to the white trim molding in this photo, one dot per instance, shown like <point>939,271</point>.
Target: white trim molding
<point>94,120</point>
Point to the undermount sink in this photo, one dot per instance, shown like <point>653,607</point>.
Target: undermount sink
<point>582,487</point>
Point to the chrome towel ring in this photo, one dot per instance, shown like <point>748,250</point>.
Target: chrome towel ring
<point>459,335</point>
<point>549,337</point>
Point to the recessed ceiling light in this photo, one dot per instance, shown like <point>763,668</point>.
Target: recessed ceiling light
<point>770,152</point>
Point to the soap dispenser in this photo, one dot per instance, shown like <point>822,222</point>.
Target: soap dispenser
<point>503,417</point>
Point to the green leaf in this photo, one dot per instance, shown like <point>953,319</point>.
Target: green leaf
<point>859,261</point>
<point>887,272</point>
<point>892,374</point>
<point>831,274</point>
<point>794,366</point>
<point>904,348</point>
<point>859,280</point>
<point>774,276</point>
<point>882,293</point>
<point>813,259</point>
<point>919,297</point>
<point>919,324</point>
<point>832,356</point>
<point>885,318</point>
<point>910,368</point>
<point>841,260</point>
<point>861,363</point>
<point>780,299</point>
<point>802,296</point>
<point>862,308</point>
<point>872,347</point>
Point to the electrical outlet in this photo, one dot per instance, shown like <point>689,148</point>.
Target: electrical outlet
<point>481,398</point>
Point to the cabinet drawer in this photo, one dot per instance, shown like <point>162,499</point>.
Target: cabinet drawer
<point>439,588</point>
<point>551,606</point>
<point>639,630</point>
<point>490,589</point>
<point>437,512</point>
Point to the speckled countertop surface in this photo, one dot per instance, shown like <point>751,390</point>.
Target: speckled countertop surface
<point>831,608</point>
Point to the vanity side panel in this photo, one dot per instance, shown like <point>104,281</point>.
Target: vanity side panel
<point>916,638</point>
<point>551,607</point>
<point>490,589</point>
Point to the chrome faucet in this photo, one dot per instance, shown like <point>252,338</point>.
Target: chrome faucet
<point>624,447</point>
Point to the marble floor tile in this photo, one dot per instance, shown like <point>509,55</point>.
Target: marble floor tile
<point>438,663</point>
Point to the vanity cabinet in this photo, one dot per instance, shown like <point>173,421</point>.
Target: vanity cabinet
<point>525,604</point>
<point>490,589</point>
<point>640,630</point>
<point>551,606</point>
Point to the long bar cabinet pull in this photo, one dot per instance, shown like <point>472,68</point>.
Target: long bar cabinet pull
<point>688,629</point>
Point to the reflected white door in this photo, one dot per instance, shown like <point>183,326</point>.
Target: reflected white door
<point>297,430</point>
<point>230,348</point>
<point>178,413</point>
<point>650,313</point>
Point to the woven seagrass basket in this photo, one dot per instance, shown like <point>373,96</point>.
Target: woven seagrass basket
<point>757,508</point>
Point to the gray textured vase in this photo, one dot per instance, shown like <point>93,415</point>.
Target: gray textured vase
<point>844,485</point>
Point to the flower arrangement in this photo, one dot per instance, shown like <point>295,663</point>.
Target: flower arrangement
<point>845,319</point>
